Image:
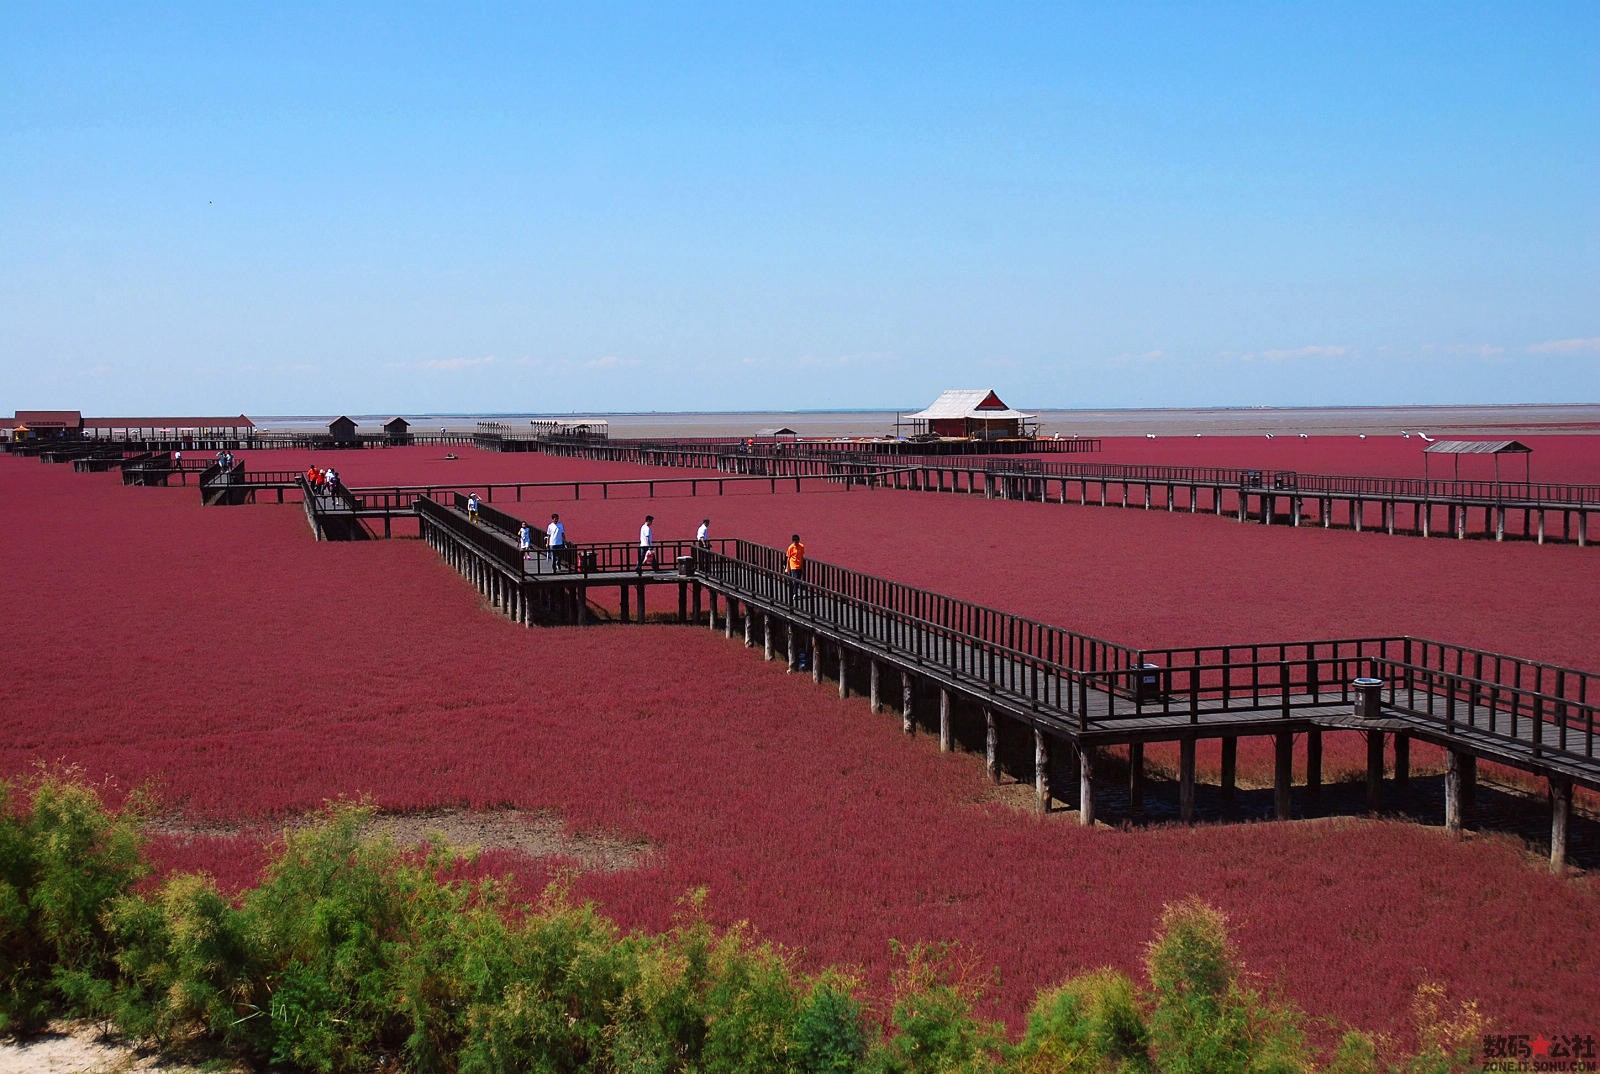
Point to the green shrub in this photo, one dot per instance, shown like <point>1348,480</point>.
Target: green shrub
<point>184,966</point>
<point>829,1034</point>
<point>542,989</point>
<point>1091,1023</point>
<point>935,1030</point>
<point>63,861</point>
<point>1204,1021</point>
<point>358,947</point>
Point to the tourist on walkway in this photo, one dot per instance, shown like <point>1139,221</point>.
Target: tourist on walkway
<point>472,508</point>
<point>647,540</point>
<point>702,536</point>
<point>525,540</point>
<point>794,558</point>
<point>555,537</point>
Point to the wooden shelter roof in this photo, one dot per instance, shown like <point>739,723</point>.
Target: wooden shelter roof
<point>968,403</point>
<point>1477,447</point>
<point>238,421</point>
<point>48,419</point>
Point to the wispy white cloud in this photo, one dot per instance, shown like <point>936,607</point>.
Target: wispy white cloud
<point>611,361</point>
<point>446,365</point>
<point>1469,350</point>
<point>296,369</point>
<point>1294,353</point>
<point>1147,356</point>
<point>1567,346</point>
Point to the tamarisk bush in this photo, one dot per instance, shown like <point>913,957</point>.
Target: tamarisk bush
<point>356,954</point>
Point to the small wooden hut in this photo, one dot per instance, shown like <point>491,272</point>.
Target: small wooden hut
<point>972,413</point>
<point>342,429</point>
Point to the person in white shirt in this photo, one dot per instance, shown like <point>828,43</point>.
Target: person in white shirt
<point>555,538</point>
<point>525,540</point>
<point>702,536</point>
<point>647,540</point>
<point>472,508</point>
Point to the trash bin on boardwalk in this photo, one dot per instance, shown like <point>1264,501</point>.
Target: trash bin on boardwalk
<point>1369,698</point>
<point>1148,684</point>
<point>686,566</point>
<point>586,562</point>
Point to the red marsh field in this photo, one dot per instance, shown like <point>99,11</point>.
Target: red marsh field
<point>250,674</point>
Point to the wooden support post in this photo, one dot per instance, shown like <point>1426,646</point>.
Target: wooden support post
<point>874,701</point>
<point>844,673</point>
<point>766,635</point>
<point>1041,770</point>
<point>626,613</point>
<point>1314,763</point>
<point>791,655</point>
<point>696,618</point>
<point>711,623</point>
<point>944,720</point>
<point>1452,792</point>
<point>991,745</point>
<point>749,628</point>
<point>1374,770</point>
<point>1560,815</point>
<point>908,722</point>
<point>1086,786</point>
<point>641,601</point>
<point>1136,778</point>
<point>816,658</point>
<point>1402,760</point>
<point>1282,774</point>
<point>1186,780</point>
<point>1230,776</point>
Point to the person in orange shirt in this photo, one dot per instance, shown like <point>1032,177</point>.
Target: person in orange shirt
<point>794,558</point>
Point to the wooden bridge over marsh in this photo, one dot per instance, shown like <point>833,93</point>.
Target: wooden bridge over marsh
<point>1079,697</point>
<point>1422,507</point>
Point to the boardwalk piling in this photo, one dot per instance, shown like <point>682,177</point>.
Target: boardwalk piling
<point>1282,774</point>
<point>1560,815</point>
<point>1086,786</point>
<point>1186,780</point>
<point>944,720</point>
<point>1230,776</point>
<point>991,745</point>
<point>1136,778</point>
<point>907,717</point>
<point>1041,770</point>
<point>1374,770</point>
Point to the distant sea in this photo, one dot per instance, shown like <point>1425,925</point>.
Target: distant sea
<point>1512,420</point>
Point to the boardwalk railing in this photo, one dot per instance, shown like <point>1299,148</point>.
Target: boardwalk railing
<point>1553,726</point>
<point>1538,712</point>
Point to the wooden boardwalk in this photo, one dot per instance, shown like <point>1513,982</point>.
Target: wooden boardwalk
<point>1077,695</point>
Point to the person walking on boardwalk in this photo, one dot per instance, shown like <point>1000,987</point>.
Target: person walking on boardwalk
<point>472,508</point>
<point>702,536</point>
<point>525,540</point>
<point>555,537</point>
<point>794,558</point>
<point>647,541</point>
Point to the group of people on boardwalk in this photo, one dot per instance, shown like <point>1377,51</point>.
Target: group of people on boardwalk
<point>557,545</point>
<point>324,481</point>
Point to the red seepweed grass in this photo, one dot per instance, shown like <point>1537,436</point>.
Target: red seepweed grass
<point>251,674</point>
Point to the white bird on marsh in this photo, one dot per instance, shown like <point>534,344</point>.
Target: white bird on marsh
<point>1426,439</point>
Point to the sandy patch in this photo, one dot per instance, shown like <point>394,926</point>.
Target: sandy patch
<point>534,834</point>
<point>82,1050</point>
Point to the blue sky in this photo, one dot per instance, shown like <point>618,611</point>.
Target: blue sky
<point>308,208</point>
